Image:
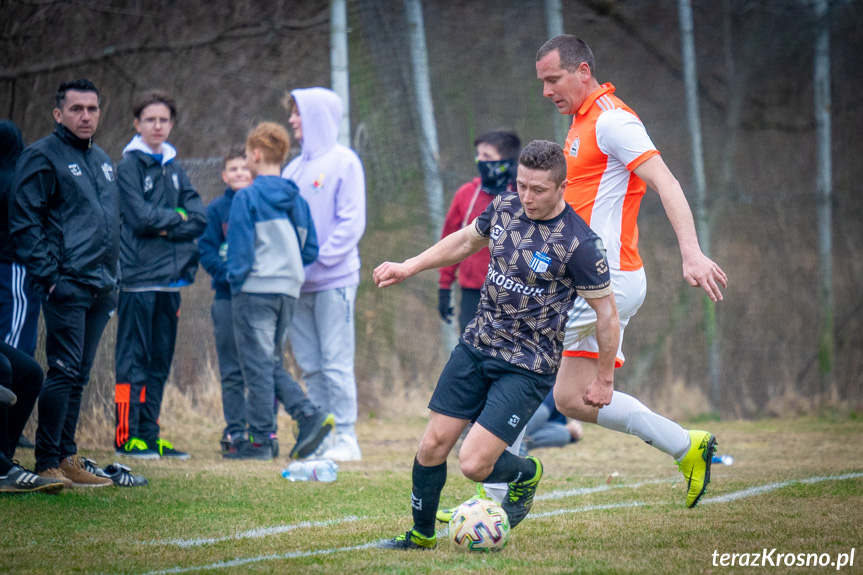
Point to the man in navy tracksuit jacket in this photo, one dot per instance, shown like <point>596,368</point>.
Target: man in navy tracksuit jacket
<point>162,214</point>
<point>65,224</point>
<point>270,238</point>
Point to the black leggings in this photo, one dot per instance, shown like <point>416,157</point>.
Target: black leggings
<point>20,373</point>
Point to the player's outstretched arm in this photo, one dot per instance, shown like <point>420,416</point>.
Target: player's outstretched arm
<point>698,269</point>
<point>599,392</point>
<point>448,251</point>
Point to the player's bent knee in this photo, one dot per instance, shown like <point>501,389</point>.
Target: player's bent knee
<point>475,468</point>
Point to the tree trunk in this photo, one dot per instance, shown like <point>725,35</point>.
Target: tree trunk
<point>428,138</point>
<point>690,79</point>
<point>339,71</point>
<point>826,347</point>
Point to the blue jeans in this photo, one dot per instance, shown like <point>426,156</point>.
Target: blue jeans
<point>323,342</point>
<point>261,323</point>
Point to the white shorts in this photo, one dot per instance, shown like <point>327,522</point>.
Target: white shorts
<point>580,338</point>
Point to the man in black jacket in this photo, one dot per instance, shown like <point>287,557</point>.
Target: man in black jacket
<point>162,215</point>
<point>65,224</point>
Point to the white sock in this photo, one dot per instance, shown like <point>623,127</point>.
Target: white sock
<point>497,491</point>
<point>628,415</point>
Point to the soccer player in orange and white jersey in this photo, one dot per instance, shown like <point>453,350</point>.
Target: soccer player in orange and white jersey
<point>610,162</point>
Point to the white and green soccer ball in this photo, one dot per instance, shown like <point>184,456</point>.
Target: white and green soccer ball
<point>479,525</point>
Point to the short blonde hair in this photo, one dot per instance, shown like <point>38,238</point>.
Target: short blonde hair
<point>272,140</point>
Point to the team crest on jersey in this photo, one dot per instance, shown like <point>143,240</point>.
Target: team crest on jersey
<point>108,171</point>
<point>176,181</point>
<point>539,262</point>
<point>573,149</point>
<point>496,232</point>
<point>148,183</point>
<point>601,266</point>
<point>75,169</point>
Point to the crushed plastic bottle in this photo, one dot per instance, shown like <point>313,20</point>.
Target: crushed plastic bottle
<point>311,470</point>
<point>723,459</point>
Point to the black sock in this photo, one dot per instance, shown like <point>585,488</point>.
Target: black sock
<point>428,483</point>
<point>509,468</point>
<point>5,466</point>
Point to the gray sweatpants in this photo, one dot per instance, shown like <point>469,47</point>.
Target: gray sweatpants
<point>322,338</point>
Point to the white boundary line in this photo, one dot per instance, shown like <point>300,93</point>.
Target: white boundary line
<point>750,492</point>
<point>600,489</point>
<point>252,533</point>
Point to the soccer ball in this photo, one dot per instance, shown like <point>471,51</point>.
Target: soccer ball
<point>479,525</point>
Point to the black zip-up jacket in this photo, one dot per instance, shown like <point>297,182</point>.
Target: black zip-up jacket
<point>150,192</point>
<point>11,146</point>
<point>65,214</point>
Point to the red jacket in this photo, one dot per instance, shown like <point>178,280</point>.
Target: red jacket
<point>469,202</point>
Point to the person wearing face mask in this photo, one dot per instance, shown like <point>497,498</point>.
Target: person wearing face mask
<point>496,160</point>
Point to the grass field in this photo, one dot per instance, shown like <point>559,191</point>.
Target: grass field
<point>796,485</point>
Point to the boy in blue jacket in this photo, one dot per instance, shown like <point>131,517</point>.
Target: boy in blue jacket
<point>213,246</point>
<point>270,238</point>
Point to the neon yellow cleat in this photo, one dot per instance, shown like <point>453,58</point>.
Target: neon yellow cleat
<point>695,465</point>
<point>444,515</point>
<point>519,496</point>
<point>409,540</point>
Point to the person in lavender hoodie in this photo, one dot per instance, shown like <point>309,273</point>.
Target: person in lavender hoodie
<point>331,179</point>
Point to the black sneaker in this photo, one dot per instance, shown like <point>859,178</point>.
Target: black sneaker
<point>248,450</point>
<point>233,447</point>
<point>19,480</point>
<point>165,449</point>
<point>93,467</point>
<point>225,444</point>
<point>409,540</point>
<point>519,496</point>
<point>313,429</point>
<point>138,449</point>
<point>122,476</point>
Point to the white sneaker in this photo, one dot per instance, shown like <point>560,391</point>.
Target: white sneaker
<point>344,448</point>
<point>327,443</point>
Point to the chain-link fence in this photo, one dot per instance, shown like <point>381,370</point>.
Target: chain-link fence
<point>230,64</point>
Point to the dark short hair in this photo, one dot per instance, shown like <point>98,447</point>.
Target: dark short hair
<point>79,85</point>
<point>506,143</point>
<point>546,156</point>
<point>151,97</point>
<point>572,51</point>
<point>237,151</point>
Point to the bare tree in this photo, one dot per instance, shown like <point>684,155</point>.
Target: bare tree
<point>826,347</point>
<point>690,77</point>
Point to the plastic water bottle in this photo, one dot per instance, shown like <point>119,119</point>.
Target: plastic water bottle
<point>723,459</point>
<point>311,470</point>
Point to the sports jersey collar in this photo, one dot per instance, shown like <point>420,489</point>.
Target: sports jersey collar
<point>604,89</point>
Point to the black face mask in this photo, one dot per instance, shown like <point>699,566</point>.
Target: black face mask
<point>496,176</point>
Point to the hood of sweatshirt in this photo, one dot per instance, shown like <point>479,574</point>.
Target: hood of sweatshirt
<point>321,113</point>
<point>137,144</point>
<point>11,143</point>
<point>277,191</point>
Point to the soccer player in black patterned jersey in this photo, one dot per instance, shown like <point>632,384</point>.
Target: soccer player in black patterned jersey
<point>543,256</point>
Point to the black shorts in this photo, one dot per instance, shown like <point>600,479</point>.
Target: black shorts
<point>498,395</point>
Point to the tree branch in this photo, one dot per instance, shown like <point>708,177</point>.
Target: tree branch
<point>233,32</point>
